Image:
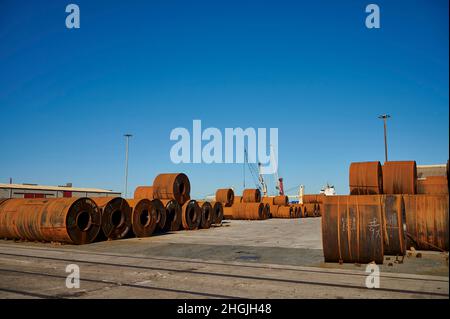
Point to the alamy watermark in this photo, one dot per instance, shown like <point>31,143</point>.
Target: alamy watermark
<point>252,146</point>
<point>373,279</point>
<point>73,278</point>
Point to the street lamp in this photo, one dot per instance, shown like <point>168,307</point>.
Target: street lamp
<point>127,136</point>
<point>384,117</point>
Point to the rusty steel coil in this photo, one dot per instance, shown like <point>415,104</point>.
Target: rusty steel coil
<point>173,215</point>
<point>250,211</point>
<point>267,200</point>
<point>366,178</point>
<point>284,212</point>
<point>144,192</point>
<point>427,221</point>
<point>228,212</point>
<point>225,196</point>
<point>207,215</point>
<point>437,185</point>
<point>251,195</point>
<point>68,220</point>
<point>172,186</point>
<point>143,217</point>
<point>312,198</point>
<point>273,210</point>
<point>352,229</point>
<point>217,212</point>
<point>393,212</point>
<point>116,216</point>
<point>161,214</point>
<point>400,177</point>
<point>281,200</point>
<point>191,215</point>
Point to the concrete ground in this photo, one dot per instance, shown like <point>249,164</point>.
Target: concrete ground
<point>275,258</point>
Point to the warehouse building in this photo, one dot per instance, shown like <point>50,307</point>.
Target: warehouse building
<point>424,171</point>
<point>41,191</point>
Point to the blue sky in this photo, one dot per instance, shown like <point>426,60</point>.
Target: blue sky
<point>310,68</point>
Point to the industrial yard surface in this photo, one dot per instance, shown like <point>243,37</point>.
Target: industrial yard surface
<point>275,258</point>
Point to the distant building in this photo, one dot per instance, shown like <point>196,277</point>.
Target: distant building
<point>41,191</point>
<point>424,171</point>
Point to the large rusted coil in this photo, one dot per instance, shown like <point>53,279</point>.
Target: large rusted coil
<point>173,215</point>
<point>281,200</point>
<point>352,229</point>
<point>161,214</point>
<point>433,185</point>
<point>400,177</point>
<point>251,195</point>
<point>366,178</point>
<point>267,200</point>
<point>225,196</point>
<point>427,221</point>
<point>284,212</point>
<point>191,215</point>
<point>144,192</point>
<point>143,217</point>
<point>313,198</point>
<point>273,209</point>
<point>252,211</point>
<point>116,216</point>
<point>218,212</point>
<point>68,220</point>
<point>207,214</point>
<point>310,210</point>
<point>172,186</point>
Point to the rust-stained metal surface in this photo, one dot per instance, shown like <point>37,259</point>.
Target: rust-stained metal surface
<point>251,195</point>
<point>393,210</point>
<point>191,215</point>
<point>427,221</point>
<point>68,220</point>
<point>173,215</point>
<point>400,177</point>
<point>366,178</point>
<point>352,230</point>
<point>143,192</point>
<point>237,199</point>
<point>433,185</point>
<point>281,200</point>
<point>251,211</point>
<point>143,217</point>
<point>267,200</point>
<point>266,212</point>
<point>161,214</point>
<point>228,212</point>
<point>207,214</point>
<point>116,216</point>
<point>172,186</point>
<point>225,196</point>
<point>218,212</point>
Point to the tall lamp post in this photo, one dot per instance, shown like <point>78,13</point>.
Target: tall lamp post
<point>127,136</point>
<point>384,117</point>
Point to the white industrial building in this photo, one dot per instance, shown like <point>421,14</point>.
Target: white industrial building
<point>41,191</point>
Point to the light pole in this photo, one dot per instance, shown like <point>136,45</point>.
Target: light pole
<point>384,117</point>
<point>127,136</point>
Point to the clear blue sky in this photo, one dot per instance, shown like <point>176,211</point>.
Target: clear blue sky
<point>310,68</point>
